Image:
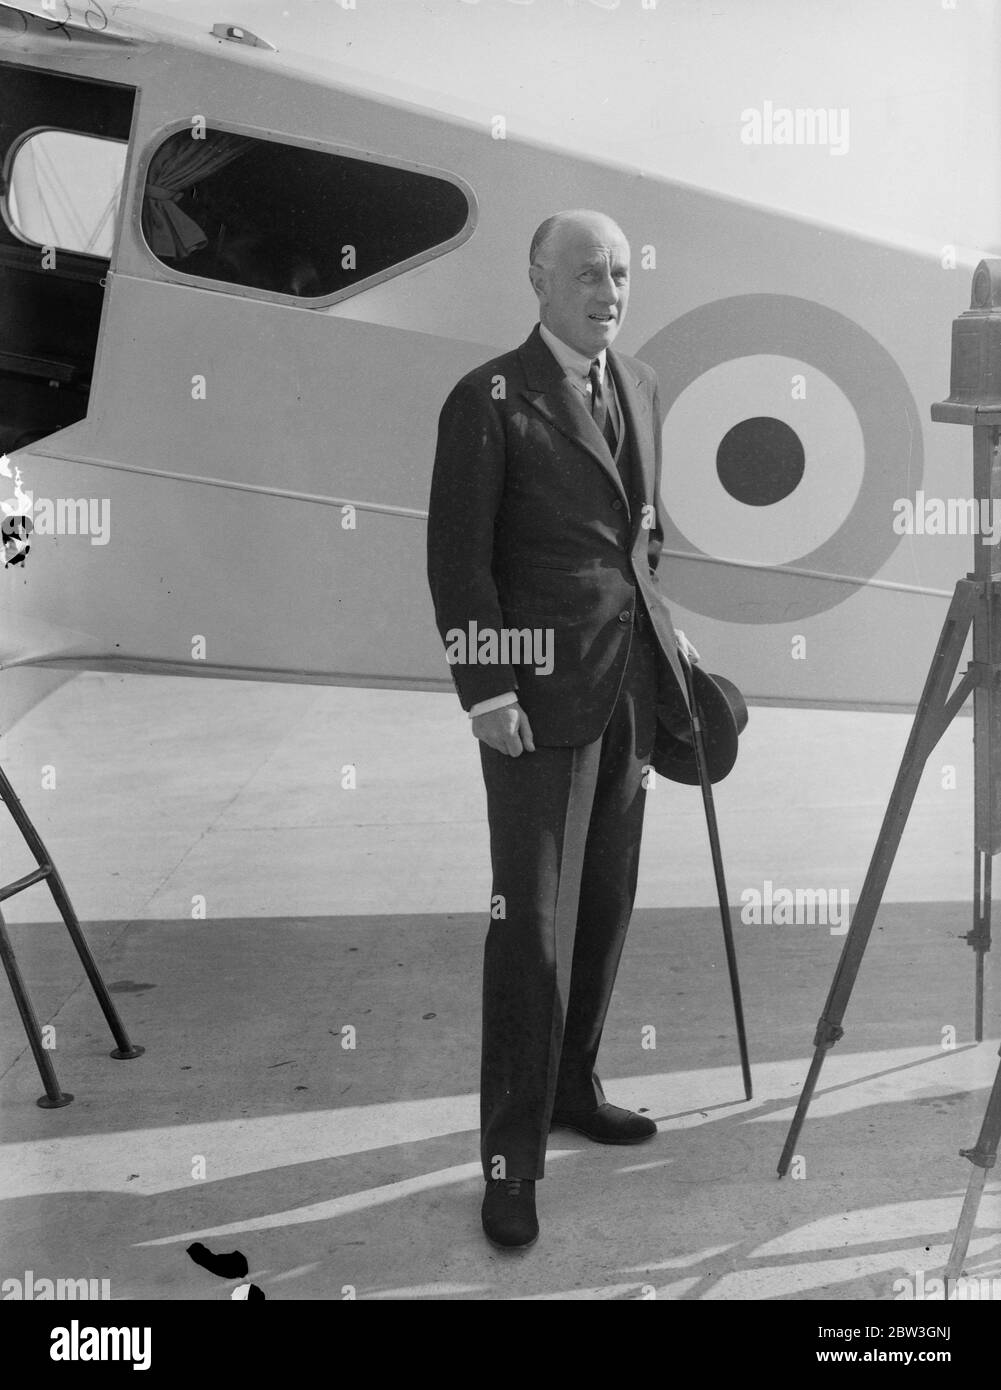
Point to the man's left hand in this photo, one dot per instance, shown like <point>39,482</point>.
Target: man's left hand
<point>685,647</point>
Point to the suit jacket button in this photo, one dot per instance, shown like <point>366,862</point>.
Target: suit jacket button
<point>625,615</point>
<point>616,505</point>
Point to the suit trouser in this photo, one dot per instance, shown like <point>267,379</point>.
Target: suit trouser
<point>565,829</point>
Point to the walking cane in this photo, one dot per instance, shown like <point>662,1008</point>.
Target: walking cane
<point>724,902</point>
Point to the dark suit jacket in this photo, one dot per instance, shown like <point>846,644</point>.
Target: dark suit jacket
<point>529,527</point>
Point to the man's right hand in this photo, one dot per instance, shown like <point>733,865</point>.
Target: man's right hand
<point>507,729</point>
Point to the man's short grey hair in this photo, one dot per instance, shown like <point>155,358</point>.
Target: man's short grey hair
<point>546,231</point>
<point>543,234</point>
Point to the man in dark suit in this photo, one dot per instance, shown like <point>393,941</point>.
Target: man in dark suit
<point>544,535</point>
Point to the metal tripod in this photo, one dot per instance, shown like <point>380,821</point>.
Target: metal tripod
<point>125,1049</point>
<point>976,604</point>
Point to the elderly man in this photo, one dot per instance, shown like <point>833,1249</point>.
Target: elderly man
<point>544,524</point>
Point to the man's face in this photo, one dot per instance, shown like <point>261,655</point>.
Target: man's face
<point>583,287</point>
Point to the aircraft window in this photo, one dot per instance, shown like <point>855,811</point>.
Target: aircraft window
<point>64,189</point>
<point>288,219</point>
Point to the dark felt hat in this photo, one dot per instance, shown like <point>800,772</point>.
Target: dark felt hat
<point>722,715</point>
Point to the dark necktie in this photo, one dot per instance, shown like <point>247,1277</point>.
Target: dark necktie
<point>599,407</point>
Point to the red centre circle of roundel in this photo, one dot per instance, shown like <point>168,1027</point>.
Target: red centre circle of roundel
<point>750,325</point>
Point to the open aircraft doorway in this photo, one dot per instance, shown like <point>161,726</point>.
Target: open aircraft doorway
<point>55,242</point>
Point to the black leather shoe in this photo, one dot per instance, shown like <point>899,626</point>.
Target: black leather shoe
<point>609,1124</point>
<point>508,1213</point>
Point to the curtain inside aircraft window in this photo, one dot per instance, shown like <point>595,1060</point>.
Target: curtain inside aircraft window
<point>64,189</point>
<point>290,220</point>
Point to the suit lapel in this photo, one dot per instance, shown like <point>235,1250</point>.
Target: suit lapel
<point>636,418</point>
<point>550,393</point>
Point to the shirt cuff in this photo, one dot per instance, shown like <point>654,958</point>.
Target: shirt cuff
<point>495,702</point>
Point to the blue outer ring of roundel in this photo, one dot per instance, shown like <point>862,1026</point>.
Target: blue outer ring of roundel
<point>752,324</point>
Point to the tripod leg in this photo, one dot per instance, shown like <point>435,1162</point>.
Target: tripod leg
<point>125,1049</point>
<point>980,937</point>
<point>986,785</point>
<point>53,1097</point>
<point>935,710</point>
<point>983,1157</point>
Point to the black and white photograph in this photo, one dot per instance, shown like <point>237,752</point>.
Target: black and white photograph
<point>500,664</point>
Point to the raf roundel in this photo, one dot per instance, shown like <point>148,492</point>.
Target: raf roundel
<point>789,433</point>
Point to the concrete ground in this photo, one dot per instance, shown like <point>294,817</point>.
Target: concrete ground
<point>255,916</point>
